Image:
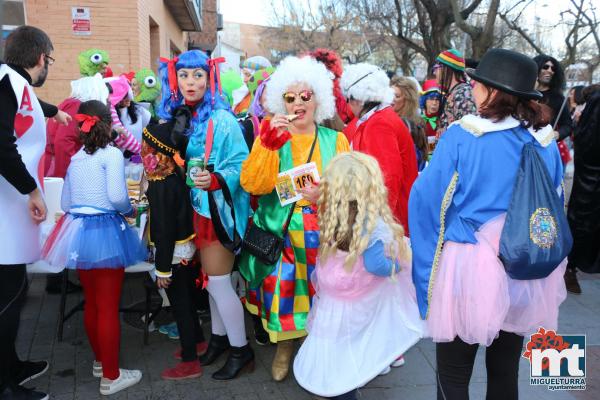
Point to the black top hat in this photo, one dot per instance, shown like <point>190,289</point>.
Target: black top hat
<point>508,71</point>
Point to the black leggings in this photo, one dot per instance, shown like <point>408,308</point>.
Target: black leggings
<point>182,294</point>
<point>13,289</point>
<point>455,365</point>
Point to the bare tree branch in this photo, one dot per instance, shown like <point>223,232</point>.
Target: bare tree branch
<point>460,21</point>
<point>592,23</point>
<point>467,11</point>
<point>512,25</point>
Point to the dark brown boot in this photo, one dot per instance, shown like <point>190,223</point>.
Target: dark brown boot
<point>571,281</point>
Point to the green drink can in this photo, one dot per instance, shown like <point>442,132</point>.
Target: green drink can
<point>194,167</point>
<point>141,208</point>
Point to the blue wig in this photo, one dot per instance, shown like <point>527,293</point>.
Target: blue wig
<point>427,96</point>
<point>189,59</point>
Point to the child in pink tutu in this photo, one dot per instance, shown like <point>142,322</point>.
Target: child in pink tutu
<point>94,238</point>
<point>457,211</point>
<point>364,313</point>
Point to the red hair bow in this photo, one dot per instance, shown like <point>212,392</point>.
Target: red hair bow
<point>172,74</point>
<point>88,121</point>
<point>214,76</point>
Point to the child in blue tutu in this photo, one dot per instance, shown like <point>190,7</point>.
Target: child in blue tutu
<point>94,238</point>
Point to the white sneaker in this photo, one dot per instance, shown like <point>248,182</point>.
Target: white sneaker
<point>399,362</point>
<point>97,369</point>
<point>127,378</point>
<point>385,371</point>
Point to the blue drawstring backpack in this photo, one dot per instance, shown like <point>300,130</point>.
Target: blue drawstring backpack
<point>536,237</point>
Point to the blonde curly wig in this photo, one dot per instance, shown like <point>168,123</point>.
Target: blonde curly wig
<point>355,178</point>
<point>294,70</point>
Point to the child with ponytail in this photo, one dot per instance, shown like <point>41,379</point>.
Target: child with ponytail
<point>364,312</point>
<point>94,238</point>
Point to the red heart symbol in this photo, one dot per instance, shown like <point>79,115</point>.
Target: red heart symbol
<point>22,124</point>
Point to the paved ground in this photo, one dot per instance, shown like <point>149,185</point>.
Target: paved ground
<point>70,372</point>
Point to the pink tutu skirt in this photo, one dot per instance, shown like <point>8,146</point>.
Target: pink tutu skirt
<point>473,297</point>
<point>358,325</point>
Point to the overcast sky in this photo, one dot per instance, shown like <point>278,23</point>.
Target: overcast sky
<point>247,12</point>
<point>259,12</point>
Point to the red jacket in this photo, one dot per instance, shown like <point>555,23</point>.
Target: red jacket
<point>384,136</point>
<point>61,141</point>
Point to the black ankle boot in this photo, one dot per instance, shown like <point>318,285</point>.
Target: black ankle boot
<point>260,335</point>
<point>217,345</point>
<point>240,359</point>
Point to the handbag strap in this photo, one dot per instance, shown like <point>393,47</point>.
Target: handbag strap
<point>209,141</point>
<point>291,213</point>
<point>231,244</point>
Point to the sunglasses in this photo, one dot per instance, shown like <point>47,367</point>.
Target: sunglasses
<point>305,96</point>
<point>546,67</point>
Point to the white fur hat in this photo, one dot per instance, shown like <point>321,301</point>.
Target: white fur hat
<point>89,88</point>
<point>366,82</point>
<point>294,70</point>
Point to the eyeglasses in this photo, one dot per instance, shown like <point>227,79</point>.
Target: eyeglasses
<point>50,60</point>
<point>548,66</point>
<point>436,67</point>
<point>305,96</point>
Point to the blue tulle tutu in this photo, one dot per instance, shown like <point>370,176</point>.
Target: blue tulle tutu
<point>82,241</point>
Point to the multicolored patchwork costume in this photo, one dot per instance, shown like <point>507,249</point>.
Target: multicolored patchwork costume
<point>281,294</point>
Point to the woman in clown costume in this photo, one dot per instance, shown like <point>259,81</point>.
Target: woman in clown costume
<point>212,134</point>
<point>302,89</point>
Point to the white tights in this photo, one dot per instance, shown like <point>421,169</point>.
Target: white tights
<point>226,310</point>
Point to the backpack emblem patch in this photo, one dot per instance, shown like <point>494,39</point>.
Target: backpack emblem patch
<point>542,228</point>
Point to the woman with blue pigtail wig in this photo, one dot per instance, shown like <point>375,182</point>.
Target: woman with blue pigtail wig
<point>201,135</point>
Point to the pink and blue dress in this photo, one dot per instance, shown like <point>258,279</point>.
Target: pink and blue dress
<point>93,233</point>
<point>360,321</point>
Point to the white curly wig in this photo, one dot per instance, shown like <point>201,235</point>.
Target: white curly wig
<point>89,88</point>
<point>367,82</point>
<point>294,70</point>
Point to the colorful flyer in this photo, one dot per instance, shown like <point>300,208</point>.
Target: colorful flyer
<point>291,181</point>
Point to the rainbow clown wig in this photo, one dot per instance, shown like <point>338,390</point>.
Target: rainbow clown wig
<point>294,70</point>
<point>172,97</point>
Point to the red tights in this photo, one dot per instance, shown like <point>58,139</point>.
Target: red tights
<point>102,293</point>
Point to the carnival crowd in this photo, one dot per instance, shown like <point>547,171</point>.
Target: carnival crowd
<point>364,213</point>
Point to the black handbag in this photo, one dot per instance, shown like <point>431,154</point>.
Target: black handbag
<point>265,245</point>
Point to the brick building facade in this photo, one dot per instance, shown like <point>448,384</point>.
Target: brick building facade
<point>135,33</point>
